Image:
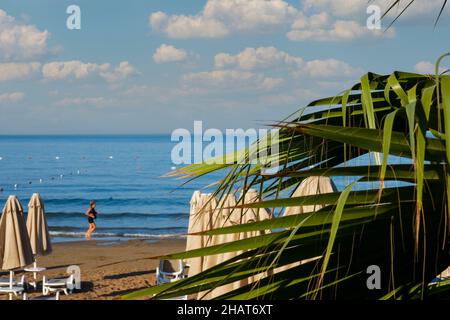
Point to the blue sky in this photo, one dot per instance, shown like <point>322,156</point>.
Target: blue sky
<point>154,66</point>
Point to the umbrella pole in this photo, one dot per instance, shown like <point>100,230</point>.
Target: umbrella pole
<point>34,284</point>
<point>11,276</point>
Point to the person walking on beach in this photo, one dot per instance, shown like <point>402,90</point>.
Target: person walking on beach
<point>92,215</point>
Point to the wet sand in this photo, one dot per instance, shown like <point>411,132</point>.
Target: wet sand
<point>108,270</point>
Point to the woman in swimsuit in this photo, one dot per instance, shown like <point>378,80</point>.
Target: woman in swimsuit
<point>92,215</point>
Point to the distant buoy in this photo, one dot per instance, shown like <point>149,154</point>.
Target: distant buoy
<point>61,176</point>
<point>78,171</point>
<point>173,168</point>
<point>1,158</point>
<point>15,186</point>
<point>57,158</point>
<point>111,157</point>
<point>40,180</point>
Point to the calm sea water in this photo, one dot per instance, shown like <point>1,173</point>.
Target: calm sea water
<point>122,173</point>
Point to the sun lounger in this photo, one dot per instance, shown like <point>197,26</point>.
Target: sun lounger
<point>65,285</point>
<point>12,286</point>
<point>6,282</point>
<point>171,271</point>
<point>14,291</point>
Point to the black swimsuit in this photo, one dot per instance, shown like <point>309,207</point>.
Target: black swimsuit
<point>93,212</point>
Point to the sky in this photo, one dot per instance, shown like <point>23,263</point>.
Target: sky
<point>152,66</point>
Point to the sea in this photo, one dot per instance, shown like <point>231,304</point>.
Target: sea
<point>123,174</point>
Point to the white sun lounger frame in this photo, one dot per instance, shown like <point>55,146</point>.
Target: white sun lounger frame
<point>65,285</point>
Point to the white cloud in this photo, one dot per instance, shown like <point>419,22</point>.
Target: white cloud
<point>75,69</point>
<point>58,70</point>
<point>180,26</point>
<point>352,8</point>
<point>11,97</point>
<point>419,8</point>
<point>427,67</point>
<point>167,53</point>
<point>20,41</point>
<point>17,71</point>
<point>61,70</point>
<point>91,101</point>
<point>251,58</point>
<point>329,68</point>
<point>320,20</point>
<point>323,27</point>
<point>232,78</point>
<point>271,58</point>
<point>338,7</point>
<point>271,83</point>
<point>269,73</point>
<point>221,17</point>
<point>123,71</point>
<point>219,77</point>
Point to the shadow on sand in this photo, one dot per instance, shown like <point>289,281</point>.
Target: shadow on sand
<point>119,293</point>
<point>129,274</point>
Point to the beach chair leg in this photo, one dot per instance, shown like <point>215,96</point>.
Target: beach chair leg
<point>66,292</point>
<point>24,296</point>
<point>10,296</point>
<point>57,295</point>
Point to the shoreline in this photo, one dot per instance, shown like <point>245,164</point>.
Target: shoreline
<point>116,240</point>
<point>109,269</point>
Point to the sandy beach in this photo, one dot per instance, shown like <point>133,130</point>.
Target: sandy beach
<point>108,270</point>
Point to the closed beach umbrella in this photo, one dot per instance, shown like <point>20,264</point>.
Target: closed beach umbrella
<point>253,215</point>
<point>194,242</point>
<point>225,215</point>
<point>308,187</point>
<point>199,220</point>
<point>230,217</point>
<point>37,227</point>
<point>15,248</point>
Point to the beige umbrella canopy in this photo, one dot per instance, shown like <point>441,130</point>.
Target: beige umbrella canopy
<point>308,187</point>
<point>253,215</point>
<point>202,206</point>
<point>37,227</point>
<point>15,248</point>
<point>228,215</point>
<point>225,215</point>
<point>311,186</point>
<point>222,216</point>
